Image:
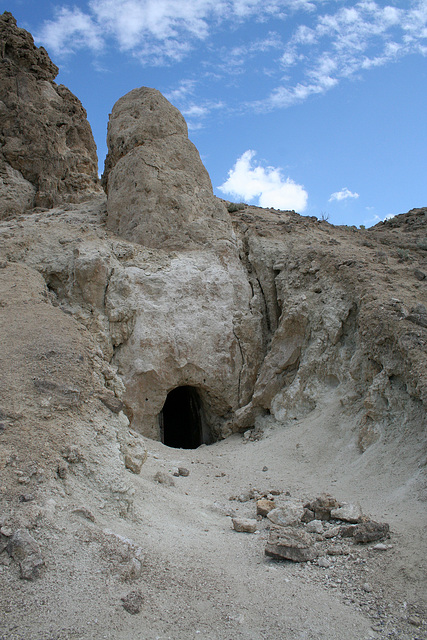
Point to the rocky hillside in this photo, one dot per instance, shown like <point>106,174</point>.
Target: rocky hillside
<point>156,310</point>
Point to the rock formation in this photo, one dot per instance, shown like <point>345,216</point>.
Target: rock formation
<point>159,193</point>
<point>120,311</point>
<point>47,151</point>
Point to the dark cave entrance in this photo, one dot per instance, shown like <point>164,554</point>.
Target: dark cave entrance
<point>181,420</point>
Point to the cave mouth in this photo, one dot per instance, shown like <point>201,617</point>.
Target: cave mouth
<point>182,424</point>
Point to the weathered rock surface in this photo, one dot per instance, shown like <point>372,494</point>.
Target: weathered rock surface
<point>159,193</point>
<point>25,550</point>
<point>287,515</point>
<point>47,153</point>
<point>370,532</point>
<point>244,525</point>
<point>289,543</point>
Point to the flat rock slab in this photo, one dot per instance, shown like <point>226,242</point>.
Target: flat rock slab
<point>288,543</point>
<point>348,513</point>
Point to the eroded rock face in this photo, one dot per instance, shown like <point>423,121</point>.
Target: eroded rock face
<point>47,151</point>
<point>159,193</point>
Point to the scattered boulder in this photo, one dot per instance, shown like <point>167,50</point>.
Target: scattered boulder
<point>289,543</point>
<point>322,506</point>
<point>164,478</point>
<point>244,525</point>
<point>24,549</point>
<point>370,532</point>
<point>348,513</point>
<point>264,506</point>
<point>315,526</point>
<point>287,515</point>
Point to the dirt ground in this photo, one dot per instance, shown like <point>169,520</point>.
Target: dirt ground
<point>202,579</point>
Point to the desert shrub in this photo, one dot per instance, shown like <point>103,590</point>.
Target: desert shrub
<point>235,206</point>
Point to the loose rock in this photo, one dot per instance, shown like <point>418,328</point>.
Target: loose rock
<point>133,602</point>
<point>264,506</point>
<point>347,512</point>
<point>288,543</point>
<point>163,478</point>
<point>370,531</point>
<point>287,515</point>
<point>244,525</point>
<point>24,549</point>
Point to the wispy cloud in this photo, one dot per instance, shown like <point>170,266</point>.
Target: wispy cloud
<point>344,194</point>
<point>249,181</point>
<point>342,44</point>
<point>329,43</point>
<point>134,24</point>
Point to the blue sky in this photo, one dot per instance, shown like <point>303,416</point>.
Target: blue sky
<point>312,105</point>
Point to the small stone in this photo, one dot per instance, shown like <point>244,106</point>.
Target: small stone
<point>182,471</point>
<point>287,515</point>
<point>315,526</point>
<point>26,497</point>
<point>134,461</point>
<point>6,531</point>
<point>420,275</point>
<point>348,513</point>
<point>132,571</point>
<point>62,470</point>
<point>322,506</point>
<point>333,532</point>
<point>367,587</point>
<point>380,547</point>
<point>133,602</point>
<point>346,531</point>
<point>323,562</point>
<point>163,478</point>
<point>370,531</point>
<point>24,549</point>
<point>307,516</point>
<point>288,543</point>
<point>244,525</point>
<point>72,454</point>
<point>264,506</point>
<point>415,621</point>
<point>265,469</point>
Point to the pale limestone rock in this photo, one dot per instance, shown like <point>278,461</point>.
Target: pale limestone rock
<point>347,512</point>
<point>287,515</point>
<point>289,543</point>
<point>159,193</point>
<point>17,194</point>
<point>191,325</point>
<point>244,525</point>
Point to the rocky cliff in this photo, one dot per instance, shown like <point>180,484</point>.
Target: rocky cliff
<point>157,299</point>
<point>47,151</point>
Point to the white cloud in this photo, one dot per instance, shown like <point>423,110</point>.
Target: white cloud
<point>343,195</point>
<point>173,25</point>
<point>342,43</point>
<point>71,30</point>
<point>248,181</point>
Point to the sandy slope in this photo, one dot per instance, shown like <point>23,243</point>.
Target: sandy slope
<point>200,578</point>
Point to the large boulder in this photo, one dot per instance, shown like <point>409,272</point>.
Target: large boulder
<point>47,151</point>
<point>159,193</point>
